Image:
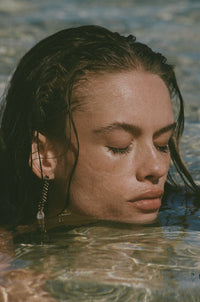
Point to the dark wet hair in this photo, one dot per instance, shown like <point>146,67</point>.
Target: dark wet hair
<point>40,99</point>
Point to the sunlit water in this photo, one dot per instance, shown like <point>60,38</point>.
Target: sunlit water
<point>111,262</point>
<point>117,263</point>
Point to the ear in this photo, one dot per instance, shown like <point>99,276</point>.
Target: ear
<point>42,159</point>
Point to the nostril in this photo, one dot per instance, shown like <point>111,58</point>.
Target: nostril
<point>153,179</point>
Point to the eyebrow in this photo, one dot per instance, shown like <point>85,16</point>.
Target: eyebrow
<point>119,126</point>
<point>133,129</point>
<point>170,127</point>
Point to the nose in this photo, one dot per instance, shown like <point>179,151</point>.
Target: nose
<point>151,164</point>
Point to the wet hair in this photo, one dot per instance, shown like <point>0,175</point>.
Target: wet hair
<point>40,99</point>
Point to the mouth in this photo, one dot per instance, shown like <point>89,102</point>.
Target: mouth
<point>148,202</point>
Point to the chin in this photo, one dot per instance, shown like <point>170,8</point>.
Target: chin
<point>144,219</point>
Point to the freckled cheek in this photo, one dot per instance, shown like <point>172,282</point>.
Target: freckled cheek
<point>103,163</point>
<point>103,177</point>
<point>98,196</point>
<point>98,174</point>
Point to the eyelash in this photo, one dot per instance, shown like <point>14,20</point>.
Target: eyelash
<point>164,149</point>
<point>119,150</point>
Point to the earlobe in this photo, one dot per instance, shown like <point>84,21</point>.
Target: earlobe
<point>42,159</point>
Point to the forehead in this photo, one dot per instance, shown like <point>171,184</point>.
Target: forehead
<point>136,98</point>
<point>133,95</point>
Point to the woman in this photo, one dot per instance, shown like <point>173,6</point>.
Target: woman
<point>88,128</point>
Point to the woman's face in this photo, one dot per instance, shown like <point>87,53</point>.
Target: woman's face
<point>123,129</point>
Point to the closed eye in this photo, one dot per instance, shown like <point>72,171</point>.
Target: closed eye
<point>115,150</point>
<point>164,146</point>
<point>164,149</point>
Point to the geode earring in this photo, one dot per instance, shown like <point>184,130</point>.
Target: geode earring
<point>42,204</point>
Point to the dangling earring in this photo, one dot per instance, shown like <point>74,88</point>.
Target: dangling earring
<point>41,205</point>
<point>61,216</point>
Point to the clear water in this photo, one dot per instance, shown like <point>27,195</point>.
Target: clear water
<point>118,263</point>
<point>111,262</point>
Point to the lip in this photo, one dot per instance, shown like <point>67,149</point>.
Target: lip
<point>148,202</point>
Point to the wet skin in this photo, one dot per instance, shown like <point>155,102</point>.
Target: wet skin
<point>124,127</point>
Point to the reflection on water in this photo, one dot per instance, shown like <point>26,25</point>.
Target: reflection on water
<point>114,262</point>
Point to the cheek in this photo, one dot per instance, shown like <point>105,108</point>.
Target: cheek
<point>97,184</point>
<point>96,177</point>
<point>97,194</point>
<point>101,169</point>
<point>100,184</point>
